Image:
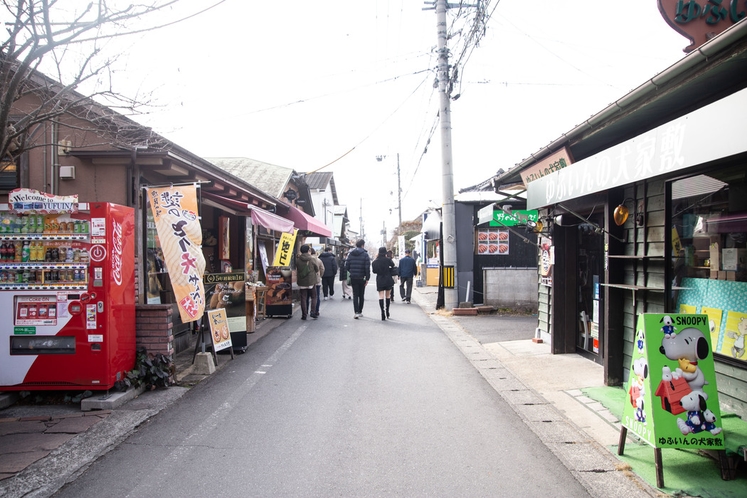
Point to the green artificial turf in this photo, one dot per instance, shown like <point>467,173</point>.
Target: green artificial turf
<point>687,472</point>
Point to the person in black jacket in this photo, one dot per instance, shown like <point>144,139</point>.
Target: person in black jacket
<point>330,272</point>
<point>347,292</point>
<point>407,271</point>
<point>382,267</point>
<point>358,266</point>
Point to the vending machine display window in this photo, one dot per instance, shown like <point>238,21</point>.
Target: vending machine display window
<point>35,310</point>
<point>41,344</point>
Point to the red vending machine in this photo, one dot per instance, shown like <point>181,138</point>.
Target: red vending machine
<point>67,294</point>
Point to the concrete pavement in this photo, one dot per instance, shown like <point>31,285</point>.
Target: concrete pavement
<point>43,447</point>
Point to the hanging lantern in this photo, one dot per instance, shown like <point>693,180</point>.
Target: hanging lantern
<point>620,215</point>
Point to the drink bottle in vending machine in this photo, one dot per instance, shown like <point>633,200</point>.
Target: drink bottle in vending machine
<point>67,280</point>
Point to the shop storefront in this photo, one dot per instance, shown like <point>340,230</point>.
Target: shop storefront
<point>655,221</point>
<point>236,236</point>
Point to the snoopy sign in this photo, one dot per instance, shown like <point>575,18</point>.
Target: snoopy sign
<point>672,399</point>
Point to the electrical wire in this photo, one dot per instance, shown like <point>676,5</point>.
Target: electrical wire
<point>375,129</point>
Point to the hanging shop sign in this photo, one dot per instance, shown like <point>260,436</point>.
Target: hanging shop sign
<point>547,261</point>
<point>672,397</point>
<point>546,166</point>
<point>178,225</point>
<point>518,217</point>
<point>701,20</point>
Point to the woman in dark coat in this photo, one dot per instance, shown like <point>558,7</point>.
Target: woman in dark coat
<point>347,292</point>
<point>382,267</point>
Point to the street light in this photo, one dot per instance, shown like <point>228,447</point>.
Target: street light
<point>380,158</point>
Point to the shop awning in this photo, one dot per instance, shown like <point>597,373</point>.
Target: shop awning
<point>259,216</point>
<point>303,221</point>
<point>664,150</point>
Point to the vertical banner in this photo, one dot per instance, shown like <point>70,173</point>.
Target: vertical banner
<point>178,225</point>
<point>401,246</point>
<point>285,249</point>
<point>672,397</point>
<point>219,329</point>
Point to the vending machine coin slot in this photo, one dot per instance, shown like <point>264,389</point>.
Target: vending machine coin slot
<point>98,276</point>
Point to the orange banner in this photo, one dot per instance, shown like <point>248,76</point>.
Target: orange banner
<point>178,225</point>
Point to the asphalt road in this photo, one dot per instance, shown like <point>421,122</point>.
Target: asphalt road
<point>336,407</point>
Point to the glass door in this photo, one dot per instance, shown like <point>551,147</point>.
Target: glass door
<point>590,268</point>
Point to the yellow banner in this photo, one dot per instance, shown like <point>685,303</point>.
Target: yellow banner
<point>285,249</point>
<point>178,225</point>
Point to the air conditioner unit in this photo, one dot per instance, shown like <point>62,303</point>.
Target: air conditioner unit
<point>67,172</point>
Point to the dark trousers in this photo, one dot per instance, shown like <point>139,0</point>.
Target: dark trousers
<point>305,294</point>
<point>328,286</point>
<point>405,288</point>
<point>314,310</point>
<point>359,290</point>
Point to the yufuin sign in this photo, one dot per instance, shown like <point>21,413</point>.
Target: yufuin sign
<point>672,400</point>
<point>670,147</point>
<point>701,20</point>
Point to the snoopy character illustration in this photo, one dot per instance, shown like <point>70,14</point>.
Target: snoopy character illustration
<point>668,327</point>
<point>699,417</point>
<point>637,389</point>
<point>687,348</point>
<point>737,349</point>
<point>640,340</point>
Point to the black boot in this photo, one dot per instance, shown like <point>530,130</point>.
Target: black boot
<point>387,307</point>
<point>381,305</point>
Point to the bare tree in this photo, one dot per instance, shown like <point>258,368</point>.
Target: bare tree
<point>66,40</point>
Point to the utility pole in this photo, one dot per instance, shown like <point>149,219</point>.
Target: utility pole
<point>399,197</point>
<point>448,240</point>
<point>383,234</point>
<point>362,234</point>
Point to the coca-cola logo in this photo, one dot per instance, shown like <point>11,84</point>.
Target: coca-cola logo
<point>117,240</point>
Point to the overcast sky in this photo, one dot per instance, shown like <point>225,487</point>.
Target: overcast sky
<point>330,86</point>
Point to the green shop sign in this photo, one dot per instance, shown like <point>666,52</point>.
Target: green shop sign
<point>518,217</point>
<point>672,399</point>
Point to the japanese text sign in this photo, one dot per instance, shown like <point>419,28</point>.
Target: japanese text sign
<point>178,225</point>
<point>672,400</point>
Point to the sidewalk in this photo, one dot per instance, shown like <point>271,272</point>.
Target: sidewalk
<point>41,447</point>
<point>540,386</point>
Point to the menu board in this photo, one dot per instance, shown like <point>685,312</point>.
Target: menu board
<point>492,241</point>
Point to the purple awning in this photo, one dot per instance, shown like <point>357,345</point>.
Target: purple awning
<point>259,216</point>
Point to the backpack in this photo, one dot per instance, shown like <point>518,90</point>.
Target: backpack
<point>303,270</point>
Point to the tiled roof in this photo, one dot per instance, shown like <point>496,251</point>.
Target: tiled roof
<point>318,180</point>
<point>267,177</point>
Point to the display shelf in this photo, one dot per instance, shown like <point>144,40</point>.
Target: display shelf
<point>70,286</point>
<point>43,265</point>
<point>633,287</point>
<point>633,256</point>
<point>44,236</point>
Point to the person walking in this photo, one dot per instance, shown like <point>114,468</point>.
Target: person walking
<point>306,274</point>
<point>358,265</point>
<point>382,267</point>
<point>407,271</point>
<point>330,272</point>
<point>346,290</point>
<point>314,312</point>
